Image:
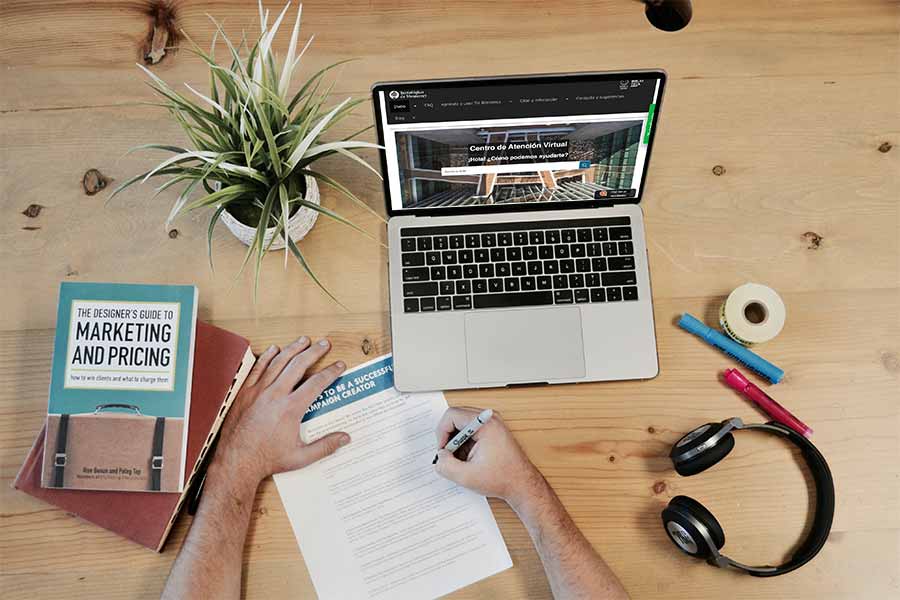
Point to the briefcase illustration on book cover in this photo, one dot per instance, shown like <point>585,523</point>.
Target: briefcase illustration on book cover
<point>120,387</point>
<point>116,447</point>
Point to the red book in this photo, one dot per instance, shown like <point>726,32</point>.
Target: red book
<point>222,361</point>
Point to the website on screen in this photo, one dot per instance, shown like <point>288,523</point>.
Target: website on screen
<point>513,143</point>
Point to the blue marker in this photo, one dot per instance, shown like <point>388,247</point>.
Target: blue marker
<point>731,348</point>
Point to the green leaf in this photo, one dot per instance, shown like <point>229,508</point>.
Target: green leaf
<point>312,81</point>
<point>299,256</point>
<point>209,233</point>
<point>341,188</point>
<point>218,196</point>
<point>330,213</point>
<point>285,215</point>
<point>307,141</point>
<point>260,237</point>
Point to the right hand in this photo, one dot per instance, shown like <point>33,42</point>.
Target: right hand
<point>496,465</point>
<point>261,436</point>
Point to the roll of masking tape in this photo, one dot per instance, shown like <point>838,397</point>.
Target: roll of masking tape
<point>752,314</point>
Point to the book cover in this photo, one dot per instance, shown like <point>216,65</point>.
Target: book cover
<point>120,387</point>
<point>221,364</point>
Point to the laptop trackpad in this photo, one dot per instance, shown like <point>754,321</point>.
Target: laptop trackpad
<point>521,346</point>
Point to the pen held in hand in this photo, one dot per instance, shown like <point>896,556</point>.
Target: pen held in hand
<point>466,432</point>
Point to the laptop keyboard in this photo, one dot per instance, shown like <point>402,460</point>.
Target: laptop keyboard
<point>528,263</point>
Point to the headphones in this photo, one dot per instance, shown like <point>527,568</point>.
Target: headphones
<point>696,531</point>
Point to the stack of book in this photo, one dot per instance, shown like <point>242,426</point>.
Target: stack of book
<point>139,390</point>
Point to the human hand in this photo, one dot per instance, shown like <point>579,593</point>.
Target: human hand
<point>495,466</point>
<point>261,435</point>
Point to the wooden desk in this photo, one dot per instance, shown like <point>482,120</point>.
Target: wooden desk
<point>776,161</point>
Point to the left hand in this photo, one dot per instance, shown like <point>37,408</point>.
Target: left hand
<point>261,435</point>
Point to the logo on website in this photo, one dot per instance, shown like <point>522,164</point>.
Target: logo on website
<point>623,85</point>
<point>393,94</point>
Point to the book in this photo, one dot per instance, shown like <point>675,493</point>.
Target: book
<point>120,387</point>
<point>221,364</point>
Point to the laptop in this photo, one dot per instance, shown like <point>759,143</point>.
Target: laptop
<point>515,235</point>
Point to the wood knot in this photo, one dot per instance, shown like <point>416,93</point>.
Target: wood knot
<point>94,181</point>
<point>718,170</point>
<point>366,346</point>
<point>659,487</point>
<point>891,362</point>
<point>813,239</point>
<point>173,233</point>
<point>885,147</point>
<point>651,429</point>
<point>32,211</point>
<point>163,32</point>
<point>612,459</point>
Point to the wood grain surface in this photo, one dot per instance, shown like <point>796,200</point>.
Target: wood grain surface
<point>776,162</point>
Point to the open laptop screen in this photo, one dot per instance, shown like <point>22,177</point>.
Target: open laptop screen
<point>517,142</point>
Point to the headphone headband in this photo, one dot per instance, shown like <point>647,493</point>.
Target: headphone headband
<point>690,450</point>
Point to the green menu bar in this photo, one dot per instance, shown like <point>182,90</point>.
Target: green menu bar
<point>650,112</point>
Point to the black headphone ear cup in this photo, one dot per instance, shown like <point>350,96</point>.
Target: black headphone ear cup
<point>707,458</point>
<point>683,533</point>
<point>702,514</point>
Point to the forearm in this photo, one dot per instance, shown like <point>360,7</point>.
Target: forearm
<point>209,564</point>
<point>573,567</point>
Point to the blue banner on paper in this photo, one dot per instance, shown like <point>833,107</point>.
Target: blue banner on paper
<point>358,384</point>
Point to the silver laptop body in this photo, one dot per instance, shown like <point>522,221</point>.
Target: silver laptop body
<point>554,197</point>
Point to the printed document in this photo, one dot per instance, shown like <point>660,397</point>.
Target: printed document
<point>374,520</point>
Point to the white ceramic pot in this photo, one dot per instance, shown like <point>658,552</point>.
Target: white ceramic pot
<point>299,224</point>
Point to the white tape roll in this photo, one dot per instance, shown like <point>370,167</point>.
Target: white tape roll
<point>752,314</point>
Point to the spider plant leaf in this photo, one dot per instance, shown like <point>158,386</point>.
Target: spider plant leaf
<point>209,101</point>
<point>175,149</point>
<point>263,17</point>
<point>265,44</point>
<point>361,161</point>
<point>285,78</point>
<point>357,133</point>
<point>182,199</point>
<point>299,256</point>
<point>177,159</point>
<point>209,233</point>
<point>285,215</point>
<point>341,188</point>
<point>344,112</point>
<point>330,213</point>
<point>307,141</point>
<point>235,54</point>
<point>125,184</point>
<point>345,145</point>
<point>274,156</point>
<point>186,192</point>
<point>260,237</point>
<point>173,181</point>
<point>301,93</point>
<point>236,190</point>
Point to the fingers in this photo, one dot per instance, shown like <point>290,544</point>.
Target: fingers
<point>454,419</point>
<point>294,371</point>
<point>314,385</point>
<point>450,467</point>
<point>282,359</point>
<point>324,446</point>
<point>262,363</point>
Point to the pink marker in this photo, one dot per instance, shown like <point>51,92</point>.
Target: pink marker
<point>735,379</point>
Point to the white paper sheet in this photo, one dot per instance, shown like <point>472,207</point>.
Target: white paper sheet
<point>374,520</point>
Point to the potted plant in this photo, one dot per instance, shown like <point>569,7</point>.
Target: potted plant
<point>253,145</point>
